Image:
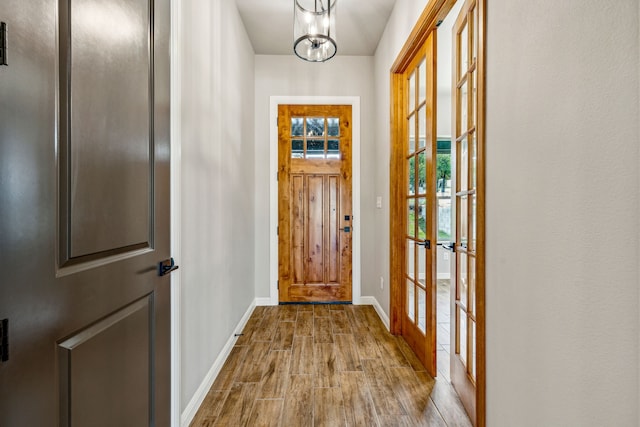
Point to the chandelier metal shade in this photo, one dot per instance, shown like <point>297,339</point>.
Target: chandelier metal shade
<point>314,29</point>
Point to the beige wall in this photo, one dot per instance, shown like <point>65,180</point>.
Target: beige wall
<point>217,185</point>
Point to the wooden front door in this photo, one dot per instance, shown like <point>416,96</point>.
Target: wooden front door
<point>419,307</point>
<point>315,222</point>
<point>467,290</point>
<point>84,208</point>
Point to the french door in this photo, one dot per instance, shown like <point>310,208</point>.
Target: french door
<point>413,199</point>
<point>315,222</point>
<point>466,296</point>
<point>418,314</point>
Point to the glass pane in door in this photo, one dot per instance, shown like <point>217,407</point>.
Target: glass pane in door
<point>422,264</point>
<point>411,259</point>
<point>472,343</point>
<point>412,134</point>
<point>412,92</point>
<point>462,278</point>
<point>464,99</point>
<point>422,309</point>
<point>315,126</point>
<point>422,80</point>
<point>422,127</point>
<point>422,218</point>
<point>464,51</point>
<point>411,302</point>
<point>411,218</point>
<point>411,170</point>
<point>462,330</point>
<point>463,165</point>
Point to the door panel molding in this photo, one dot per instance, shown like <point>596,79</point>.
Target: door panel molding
<point>89,351</point>
<point>354,102</point>
<point>100,125</point>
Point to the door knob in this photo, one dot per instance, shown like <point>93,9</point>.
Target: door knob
<point>166,267</point>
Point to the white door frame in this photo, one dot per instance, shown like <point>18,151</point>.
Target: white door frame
<point>274,101</point>
<point>176,173</point>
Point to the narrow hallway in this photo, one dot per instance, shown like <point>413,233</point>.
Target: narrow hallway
<point>325,365</point>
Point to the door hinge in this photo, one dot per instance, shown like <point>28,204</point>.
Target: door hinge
<point>4,340</point>
<point>278,284</point>
<point>277,230</point>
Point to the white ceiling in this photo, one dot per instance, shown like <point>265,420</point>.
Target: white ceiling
<point>360,24</point>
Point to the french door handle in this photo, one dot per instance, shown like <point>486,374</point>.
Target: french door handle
<point>166,267</point>
<point>426,244</point>
<point>451,246</point>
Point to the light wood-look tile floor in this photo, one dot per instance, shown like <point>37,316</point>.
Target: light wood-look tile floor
<point>325,365</point>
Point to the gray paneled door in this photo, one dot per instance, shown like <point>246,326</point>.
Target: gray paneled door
<point>84,213</point>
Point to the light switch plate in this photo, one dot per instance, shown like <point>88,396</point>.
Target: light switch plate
<point>379,202</point>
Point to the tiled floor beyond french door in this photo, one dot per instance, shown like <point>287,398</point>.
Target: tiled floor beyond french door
<point>325,365</point>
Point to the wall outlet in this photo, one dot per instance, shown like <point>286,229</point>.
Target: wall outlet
<point>445,255</point>
<point>381,282</point>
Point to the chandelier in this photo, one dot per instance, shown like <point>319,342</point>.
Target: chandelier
<point>314,29</point>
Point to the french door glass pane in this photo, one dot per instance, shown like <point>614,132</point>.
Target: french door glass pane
<point>315,126</point>
<point>473,160</point>
<point>472,341</point>
<point>464,100</point>
<point>422,173</point>
<point>422,309</point>
<point>472,223</point>
<point>411,302</point>
<point>422,218</point>
<point>423,80</point>
<point>464,165</point>
<point>297,128</point>
<point>422,127</point>
<point>411,259</point>
<point>463,223</point>
<point>462,331</point>
<point>412,92</point>
<point>422,265</point>
<point>462,278</point>
<point>411,169</point>
<point>474,97</point>
<point>474,44</point>
<point>464,50</point>
<point>412,134</point>
<point>444,219</point>
<point>411,218</point>
<point>472,286</point>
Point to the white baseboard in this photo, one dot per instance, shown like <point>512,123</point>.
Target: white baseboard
<point>194,404</point>
<point>376,305</point>
<point>264,301</point>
